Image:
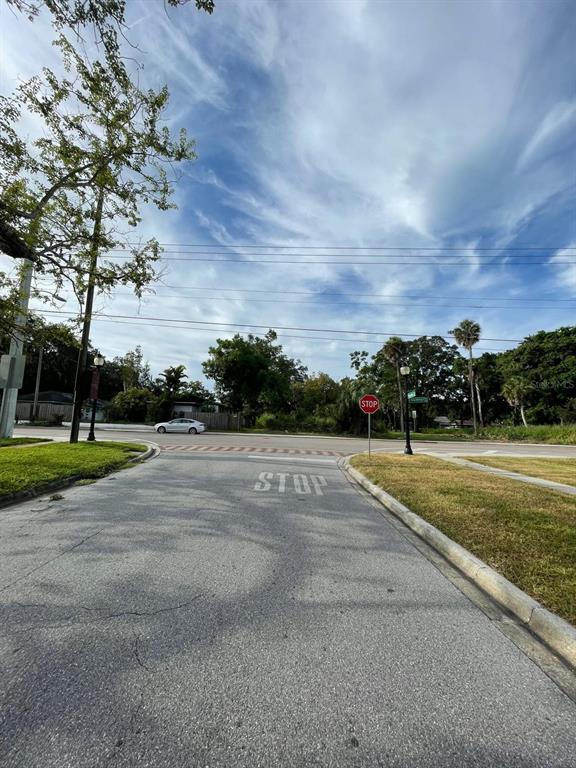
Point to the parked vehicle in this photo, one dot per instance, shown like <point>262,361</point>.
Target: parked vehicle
<point>181,425</point>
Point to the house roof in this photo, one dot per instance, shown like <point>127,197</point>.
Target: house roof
<point>50,396</point>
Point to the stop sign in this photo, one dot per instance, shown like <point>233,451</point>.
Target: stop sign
<point>369,403</point>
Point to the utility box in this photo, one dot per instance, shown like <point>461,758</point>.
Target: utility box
<point>12,371</point>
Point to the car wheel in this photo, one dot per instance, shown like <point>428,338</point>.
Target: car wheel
<point>192,431</point>
<point>162,430</point>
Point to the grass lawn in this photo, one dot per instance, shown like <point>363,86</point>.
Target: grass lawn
<point>6,442</point>
<point>526,533</point>
<point>557,469</point>
<point>23,470</point>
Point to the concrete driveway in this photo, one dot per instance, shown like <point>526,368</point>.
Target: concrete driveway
<point>228,610</point>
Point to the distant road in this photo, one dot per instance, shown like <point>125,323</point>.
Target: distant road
<point>342,446</point>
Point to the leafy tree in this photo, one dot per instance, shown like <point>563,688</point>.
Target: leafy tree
<point>467,334</point>
<point>547,362</point>
<point>252,374</point>
<point>59,344</point>
<point>488,382</point>
<point>433,372</point>
<point>393,352</point>
<point>135,372</point>
<point>103,154</point>
<point>516,390</point>
<point>196,392</point>
<point>106,21</point>
<point>131,405</point>
<point>171,380</point>
<point>313,395</point>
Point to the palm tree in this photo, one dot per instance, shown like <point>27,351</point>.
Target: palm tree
<point>394,350</point>
<point>467,334</point>
<point>174,378</point>
<point>514,392</point>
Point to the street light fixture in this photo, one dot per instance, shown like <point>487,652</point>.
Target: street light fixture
<point>98,362</point>
<point>405,371</point>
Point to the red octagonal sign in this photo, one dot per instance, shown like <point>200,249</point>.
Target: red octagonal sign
<point>369,403</point>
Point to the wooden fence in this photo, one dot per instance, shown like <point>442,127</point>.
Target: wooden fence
<point>46,411</point>
<point>215,420</point>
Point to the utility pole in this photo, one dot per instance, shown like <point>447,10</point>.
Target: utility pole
<point>12,369</point>
<point>83,353</point>
<point>34,413</point>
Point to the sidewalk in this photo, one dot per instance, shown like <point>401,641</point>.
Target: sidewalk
<point>563,487</point>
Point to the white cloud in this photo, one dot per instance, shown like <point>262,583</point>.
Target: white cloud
<point>566,272</point>
<point>347,123</point>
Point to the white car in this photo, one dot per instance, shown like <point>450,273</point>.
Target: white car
<point>181,425</point>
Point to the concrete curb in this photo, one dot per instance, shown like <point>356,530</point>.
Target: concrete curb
<point>558,634</point>
<point>151,453</point>
<point>16,498</point>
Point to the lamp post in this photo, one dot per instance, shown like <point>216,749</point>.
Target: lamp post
<point>405,371</point>
<point>98,363</point>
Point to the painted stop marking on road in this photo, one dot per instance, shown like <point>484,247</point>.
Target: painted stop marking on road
<point>369,403</point>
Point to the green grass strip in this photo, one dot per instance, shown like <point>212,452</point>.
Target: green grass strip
<point>526,533</point>
<point>22,470</point>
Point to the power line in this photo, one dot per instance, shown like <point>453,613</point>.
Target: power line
<point>320,294</point>
<point>454,255</point>
<point>374,304</point>
<point>354,263</point>
<point>367,247</point>
<point>99,319</point>
<point>268,326</point>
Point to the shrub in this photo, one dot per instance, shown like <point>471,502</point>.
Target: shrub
<point>130,405</point>
<point>543,433</point>
<point>294,423</point>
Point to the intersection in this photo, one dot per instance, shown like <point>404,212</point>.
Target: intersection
<point>235,609</point>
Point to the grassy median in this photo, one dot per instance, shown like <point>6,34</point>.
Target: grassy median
<point>526,533</point>
<point>7,442</point>
<point>556,469</point>
<point>22,470</point>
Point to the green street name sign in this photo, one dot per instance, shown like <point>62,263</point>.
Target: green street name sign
<point>411,394</point>
<point>418,399</point>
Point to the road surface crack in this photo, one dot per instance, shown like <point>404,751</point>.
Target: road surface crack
<point>151,613</point>
<point>51,560</point>
<point>136,652</point>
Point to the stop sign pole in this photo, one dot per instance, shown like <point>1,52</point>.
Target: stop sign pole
<point>369,404</point>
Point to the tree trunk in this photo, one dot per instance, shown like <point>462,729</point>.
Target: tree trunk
<point>472,396</point>
<point>523,415</point>
<point>480,416</point>
<point>88,304</point>
<point>400,398</point>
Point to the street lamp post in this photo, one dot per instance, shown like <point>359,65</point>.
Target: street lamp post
<point>98,363</point>
<point>405,371</point>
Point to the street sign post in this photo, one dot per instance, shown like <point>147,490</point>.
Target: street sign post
<point>369,404</point>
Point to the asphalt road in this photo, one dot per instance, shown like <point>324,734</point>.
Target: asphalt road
<point>342,446</point>
<point>207,610</point>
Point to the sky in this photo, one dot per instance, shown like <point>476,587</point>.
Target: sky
<point>388,167</point>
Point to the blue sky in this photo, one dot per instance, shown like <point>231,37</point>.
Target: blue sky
<point>405,125</point>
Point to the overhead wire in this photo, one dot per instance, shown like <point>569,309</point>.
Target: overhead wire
<point>266,326</point>
<point>99,319</point>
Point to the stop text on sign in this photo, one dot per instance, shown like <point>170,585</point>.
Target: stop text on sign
<point>369,403</point>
